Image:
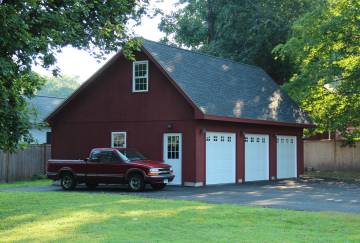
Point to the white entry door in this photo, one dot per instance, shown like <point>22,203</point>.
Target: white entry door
<point>256,157</point>
<point>173,154</point>
<point>286,157</point>
<point>220,158</point>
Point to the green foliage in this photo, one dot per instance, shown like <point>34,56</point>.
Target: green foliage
<point>33,31</point>
<point>61,87</point>
<point>244,31</point>
<point>325,48</point>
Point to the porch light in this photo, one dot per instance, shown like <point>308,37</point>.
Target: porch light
<point>203,130</point>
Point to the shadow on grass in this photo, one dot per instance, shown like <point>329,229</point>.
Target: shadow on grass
<point>44,224</point>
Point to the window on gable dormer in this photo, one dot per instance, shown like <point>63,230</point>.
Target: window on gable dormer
<point>140,76</point>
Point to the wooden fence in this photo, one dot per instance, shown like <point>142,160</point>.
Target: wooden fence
<point>330,155</point>
<point>320,155</point>
<point>24,164</point>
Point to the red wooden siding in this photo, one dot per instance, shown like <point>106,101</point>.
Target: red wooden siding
<point>108,105</point>
<point>240,129</point>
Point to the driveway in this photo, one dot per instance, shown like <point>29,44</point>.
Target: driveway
<point>310,195</point>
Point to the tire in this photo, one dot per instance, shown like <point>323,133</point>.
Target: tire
<point>136,183</point>
<point>91,186</point>
<point>67,181</point>
<point>158,186</point>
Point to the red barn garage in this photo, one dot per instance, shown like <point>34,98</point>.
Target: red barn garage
<point>216,121</point>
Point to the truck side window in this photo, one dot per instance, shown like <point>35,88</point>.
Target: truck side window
<point>95,156</point>
<point>108,156</point>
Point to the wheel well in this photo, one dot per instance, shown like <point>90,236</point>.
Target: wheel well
<point>134,172</point>
<point>65,172</point>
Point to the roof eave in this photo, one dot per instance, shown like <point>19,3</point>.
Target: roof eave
<point>255,121</point>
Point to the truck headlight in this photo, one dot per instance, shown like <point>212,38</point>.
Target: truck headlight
<point>154,172</point>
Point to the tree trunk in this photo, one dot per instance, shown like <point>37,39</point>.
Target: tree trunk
<point>211,20</point>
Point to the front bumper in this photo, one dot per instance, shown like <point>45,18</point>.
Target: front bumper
<point>159,178</point>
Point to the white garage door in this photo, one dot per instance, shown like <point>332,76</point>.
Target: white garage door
<point>220,158</point>
<point>256,157</point>
<point>286,157</point>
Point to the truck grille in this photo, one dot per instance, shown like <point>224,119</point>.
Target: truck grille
<point>164,171</point>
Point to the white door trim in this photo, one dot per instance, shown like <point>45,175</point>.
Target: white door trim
<point>175,163</point>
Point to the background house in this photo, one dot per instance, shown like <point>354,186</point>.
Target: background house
<point>43,106</point>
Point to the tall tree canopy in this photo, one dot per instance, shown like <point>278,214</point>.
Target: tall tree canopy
<point>244,31</point>
<point>325,48</point>
<point>60,87</point>
<point>33,31</point>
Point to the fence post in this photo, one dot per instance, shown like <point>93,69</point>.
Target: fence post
<point>44,159</point>
<point>337,166</point>
<point>7,164</point>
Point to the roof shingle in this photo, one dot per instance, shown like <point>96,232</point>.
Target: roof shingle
<point>225,88</point>
<point>43,106</point>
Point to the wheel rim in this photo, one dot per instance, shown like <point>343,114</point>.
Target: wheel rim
<point>67,182</point>
<point>135,183</point>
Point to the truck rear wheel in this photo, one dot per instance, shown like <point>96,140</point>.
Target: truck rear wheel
<point>136,182</point>
<point>67,181</point>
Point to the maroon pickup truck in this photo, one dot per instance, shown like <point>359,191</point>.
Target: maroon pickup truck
<point>111,166</point>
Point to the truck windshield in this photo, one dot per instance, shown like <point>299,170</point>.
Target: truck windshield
<point>131,155</point>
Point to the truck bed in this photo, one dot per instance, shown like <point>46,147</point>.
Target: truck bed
<point>54,167</point>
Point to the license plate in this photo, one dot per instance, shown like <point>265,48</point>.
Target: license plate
<point>166,181</point>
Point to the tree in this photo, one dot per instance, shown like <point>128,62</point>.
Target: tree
<point>33,31</point>
<point>61,87</point>
<point>325,47</point>
<point>244,31</point>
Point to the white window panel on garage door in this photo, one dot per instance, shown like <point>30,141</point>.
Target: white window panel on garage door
<point>286,157</point>
<point>220,158</point>
<point>256,157</point>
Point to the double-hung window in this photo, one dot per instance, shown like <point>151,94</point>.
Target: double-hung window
<point>140,82</point>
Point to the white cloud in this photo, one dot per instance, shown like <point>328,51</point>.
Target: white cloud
<point>80,63</point>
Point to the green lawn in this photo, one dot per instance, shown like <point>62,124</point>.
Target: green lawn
<point>89,217</point>
<point>43,182</point>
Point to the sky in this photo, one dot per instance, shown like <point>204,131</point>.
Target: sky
<point>79,63</point>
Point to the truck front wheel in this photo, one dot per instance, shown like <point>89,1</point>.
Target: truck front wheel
<point>67,181</point>
<point>136,182</point>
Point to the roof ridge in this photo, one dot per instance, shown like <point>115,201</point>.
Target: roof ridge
<point>47,96</point>
<point>205,54</point>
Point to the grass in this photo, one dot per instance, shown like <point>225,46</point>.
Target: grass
<point>100,217</point>
<point>335,175</point>
<point>42,182</point>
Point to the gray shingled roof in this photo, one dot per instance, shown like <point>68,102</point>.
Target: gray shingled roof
<point>43,106</point>
<point>225,88</point>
